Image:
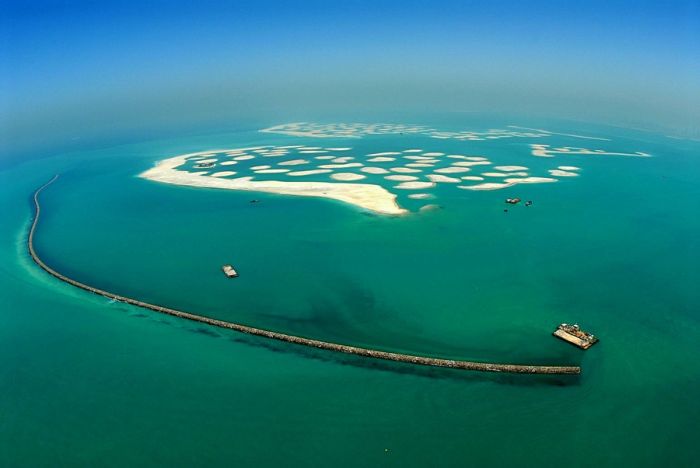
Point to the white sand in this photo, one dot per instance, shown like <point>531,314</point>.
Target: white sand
<point>310,172</point>
<point>471,177</point>
<point>294,162</point>
<point>271,171</point>
<point>339,166</point>
<point>442,178</point>
<point>569,168</point>
<point>414,185</point>
<point>367,196</point>
<point>433,154</point>
<point>386,153</point>
<point>347,176</point>
<point>530,180</point>
<point>229,163</point>
<point>223,173</point>
<point>510,168</point>
<point>412,150</point>
<point>471,163</point>
<point>430,207</point>
<point>419,165</point>
<point>343,159</point>
<point>312,151</point>
<point>405,170</point>
<point>456,156</point>
<point>381,159</point>
<point>206,161</point>
<point>495,174</point>
<point>338,149</point>
<point>421,196</point>
<point>324,157</point>
<point>476,158</point>
<point>452,170</point>
<point>374,170</point>
<point>401,177</point>
<point>420,158</point>
<point>256,168</point>
<point>244,157</point>
<point>486,186</point>
<point>560,173</point>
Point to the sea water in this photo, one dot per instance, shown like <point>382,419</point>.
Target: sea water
<point>87,381</point>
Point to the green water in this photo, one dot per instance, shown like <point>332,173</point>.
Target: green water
<point>85,382</point>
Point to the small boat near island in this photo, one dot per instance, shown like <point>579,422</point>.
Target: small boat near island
<point>229,271</point>
<point>574,335</point>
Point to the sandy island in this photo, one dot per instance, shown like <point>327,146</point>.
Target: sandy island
<point>367,196</point>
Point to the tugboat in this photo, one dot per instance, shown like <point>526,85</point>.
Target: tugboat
<point>574,335</point>
<point>229,271</point>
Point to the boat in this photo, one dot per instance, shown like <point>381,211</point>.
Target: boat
<point>229,271</point>
<point>574,335</point>
<point>513,201</point>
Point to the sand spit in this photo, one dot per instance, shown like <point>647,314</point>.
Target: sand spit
<point>442,178</point>
<point>310,172</point>
<point>414,185</point>
<point>452,170</point>
<point>339,166</point>
<point>347,176</point>
<point>374,170</point>
<point>386,153</point>
<point>367,196</point>
<point>294,162</point>
<point>560,173</point>
<point>486,186</point>
<point>404,170</point>
<point>545,151</point>
<point>381,159</point>
<point>530,180</point>
<point>510,168</point>
<point>271,171</point>
<point>471,163</point>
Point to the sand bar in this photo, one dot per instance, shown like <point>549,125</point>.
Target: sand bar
<point>367,196</point>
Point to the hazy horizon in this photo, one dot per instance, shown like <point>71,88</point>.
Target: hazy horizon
<point>78,70</point>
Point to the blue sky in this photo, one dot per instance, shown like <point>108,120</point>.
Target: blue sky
<point>87,68</point>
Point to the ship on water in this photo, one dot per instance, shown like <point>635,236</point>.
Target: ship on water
<point>574,335</point>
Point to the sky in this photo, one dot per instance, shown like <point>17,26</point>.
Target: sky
<point>98,69</point>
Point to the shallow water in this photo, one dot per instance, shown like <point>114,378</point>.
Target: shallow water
<point>616,249</point>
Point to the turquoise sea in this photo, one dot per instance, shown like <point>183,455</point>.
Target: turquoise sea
<point>87,382</point>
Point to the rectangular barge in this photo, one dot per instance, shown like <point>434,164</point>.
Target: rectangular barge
<point>574,335</point>
<point>229,271</point>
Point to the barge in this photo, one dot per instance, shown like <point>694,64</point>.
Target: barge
<point>574,335</point>
<point>229,271</point>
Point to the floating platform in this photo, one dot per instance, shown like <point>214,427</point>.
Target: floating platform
<point>574,335</point>
<point>229,271</point>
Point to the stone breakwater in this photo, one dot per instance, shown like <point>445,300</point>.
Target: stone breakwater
<point>366,352</point>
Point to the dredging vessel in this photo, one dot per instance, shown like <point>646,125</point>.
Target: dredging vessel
<point>574,335</point>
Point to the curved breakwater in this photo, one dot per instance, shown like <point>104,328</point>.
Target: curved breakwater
<point>358,351</point>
